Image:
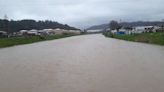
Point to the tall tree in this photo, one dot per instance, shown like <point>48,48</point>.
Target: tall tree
<point>114,25</point>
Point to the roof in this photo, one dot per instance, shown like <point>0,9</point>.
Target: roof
<point>3,32</point>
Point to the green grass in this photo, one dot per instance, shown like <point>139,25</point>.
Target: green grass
<point>6,42</point>
<point>153,38</point>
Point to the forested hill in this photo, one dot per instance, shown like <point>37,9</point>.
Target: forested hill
<point>96,27</point>
<point>14,26</point>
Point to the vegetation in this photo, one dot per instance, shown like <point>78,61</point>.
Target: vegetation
<point>15,26</point>
<point>153,38</point>
<point>6,42</point>
<point>114,25</point>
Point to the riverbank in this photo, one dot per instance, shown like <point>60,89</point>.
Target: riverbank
<point>152,38</point>
<point>7,42</point>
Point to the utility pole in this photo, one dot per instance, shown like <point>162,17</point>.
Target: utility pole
<point>120,21</point>
<point>6,24</point>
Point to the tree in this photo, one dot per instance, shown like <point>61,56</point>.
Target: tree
<point>27,24</point>
<point>114,25</point>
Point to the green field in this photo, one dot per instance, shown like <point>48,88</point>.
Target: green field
<point>153,38</point>
<point>6,42</point>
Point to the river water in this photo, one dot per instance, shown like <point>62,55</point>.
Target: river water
<point>89,63</point>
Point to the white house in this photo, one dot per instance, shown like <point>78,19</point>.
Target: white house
<point>3,33</point>
<point>156,28</point>
<point>22,32</point>
<point>32,32</point>
<point>58,31</point>
<point>139,30</point>
<point>144,29</point>
<point>46,32</point>
<point>114,31</point>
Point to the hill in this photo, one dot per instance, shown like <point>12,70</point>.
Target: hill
<point>129,24</point>
<point>14,26</point>
<point>97,27</point>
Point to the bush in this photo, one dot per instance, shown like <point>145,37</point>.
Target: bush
<point>154,38</point>
<point>5,42</point>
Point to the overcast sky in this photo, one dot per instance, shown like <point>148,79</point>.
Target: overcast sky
<point>83,13</point>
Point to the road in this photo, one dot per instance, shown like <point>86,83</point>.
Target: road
<point>89,63</point>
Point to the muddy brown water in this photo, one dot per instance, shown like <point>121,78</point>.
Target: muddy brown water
<point>90,63</point>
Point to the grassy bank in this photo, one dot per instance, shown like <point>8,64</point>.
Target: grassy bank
<point>6,42</point>
<point>153,38</point>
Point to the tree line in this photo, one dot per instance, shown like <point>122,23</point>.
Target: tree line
<point>15,26</point>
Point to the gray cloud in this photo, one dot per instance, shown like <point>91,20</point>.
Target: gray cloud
<point>83,13</point>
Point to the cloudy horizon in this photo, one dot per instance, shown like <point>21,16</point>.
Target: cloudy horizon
<point>82,14</point>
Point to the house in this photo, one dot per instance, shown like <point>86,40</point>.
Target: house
<point>160,29</point>
<point>157,28</point>
<point>146,29</point>
<point>32,32</point>
<point>149,29</point>
<point>138,30</point>
<point>23,32</point>
<point>46,32</point>
<point>125,30</point>
<point>114,31</point>
<point>3,34</point>
<point>77,32</point>
<point>61,31</point>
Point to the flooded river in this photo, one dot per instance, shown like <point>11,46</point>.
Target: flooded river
<point>89,63</point>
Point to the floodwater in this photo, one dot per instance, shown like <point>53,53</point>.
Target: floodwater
<point>89,63</point>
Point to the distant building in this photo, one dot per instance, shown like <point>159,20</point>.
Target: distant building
<point>3,34</point>
<point>45,32</point>
<point>137,30</point>
<point>147,29</point>
<point>22,32</point>
<point>93,31</point>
